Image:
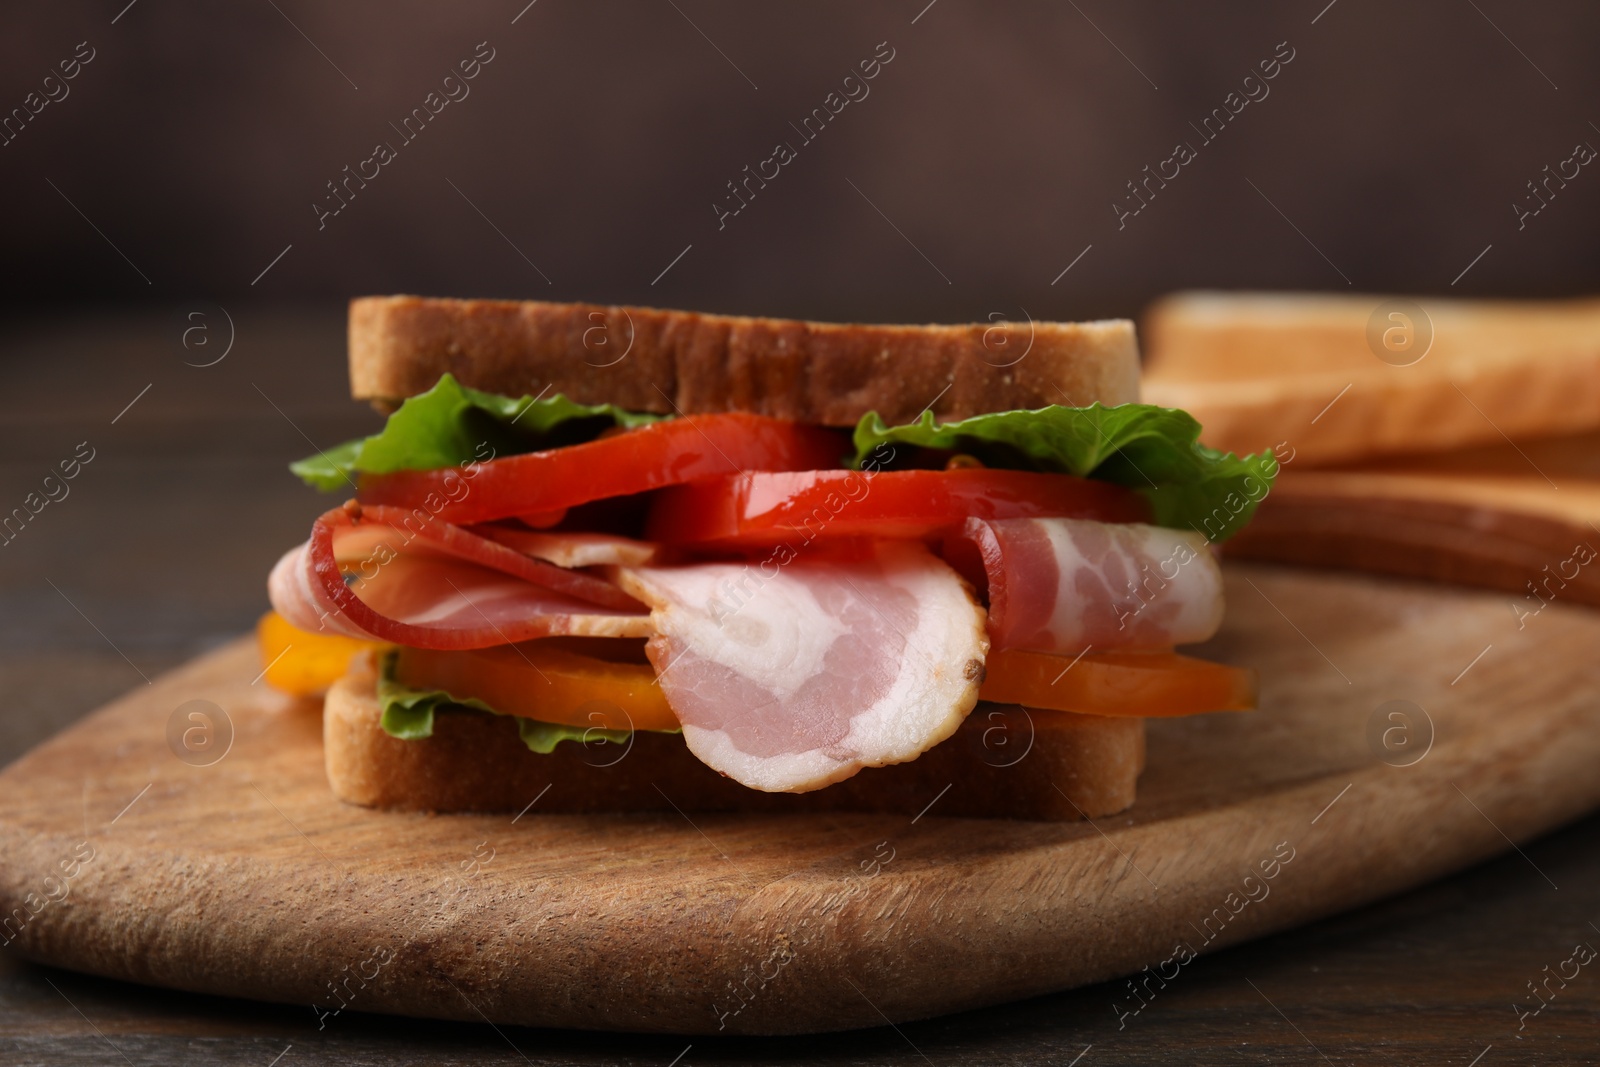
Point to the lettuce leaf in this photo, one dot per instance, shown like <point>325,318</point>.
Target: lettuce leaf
<point>408,714</point>
<point>450,425</point>
<point>1154,451</point>
<point>543,737</point>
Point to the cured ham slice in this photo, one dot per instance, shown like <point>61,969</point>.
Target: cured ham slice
<point>1064,585</point>
<point>789,678</point>
<point>390,574</point>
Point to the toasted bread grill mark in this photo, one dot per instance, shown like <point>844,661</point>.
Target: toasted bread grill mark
<point>648,359</point>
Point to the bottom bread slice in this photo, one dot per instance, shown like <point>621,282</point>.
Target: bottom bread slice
<point>1004,762</point>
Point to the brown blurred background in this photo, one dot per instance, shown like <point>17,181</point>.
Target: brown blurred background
<point>600,135</point>
<point>185,158</point>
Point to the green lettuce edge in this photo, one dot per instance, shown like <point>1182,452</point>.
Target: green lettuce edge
<point>408,715</point>
<point>450,425</point>
<point>1152,450</point>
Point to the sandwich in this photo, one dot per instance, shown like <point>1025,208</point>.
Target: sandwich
<point>616,559</point>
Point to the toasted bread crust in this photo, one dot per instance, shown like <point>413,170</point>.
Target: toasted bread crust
<point>1002,763</point>
<point>1264,369</point>
<point>648,359</point>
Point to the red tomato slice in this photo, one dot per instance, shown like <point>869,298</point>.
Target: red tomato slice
<point>662,453</point>
<point>766,508</point>
<point>1146,684</point>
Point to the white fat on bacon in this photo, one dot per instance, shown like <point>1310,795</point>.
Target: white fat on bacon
<point>788,679</point>
<point>423,595</point>
<point>572,549</point>
<point>1064,585</point>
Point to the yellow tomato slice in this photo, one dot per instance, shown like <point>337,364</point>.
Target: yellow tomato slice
<point>1145,684</point>
<point>303,663</point>
<point>602,682</point>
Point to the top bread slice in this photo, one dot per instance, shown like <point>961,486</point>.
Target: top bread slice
<point>1339,378</point>
<point>683,362</point>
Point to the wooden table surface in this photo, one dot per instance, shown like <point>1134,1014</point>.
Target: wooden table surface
<point>159,549</point>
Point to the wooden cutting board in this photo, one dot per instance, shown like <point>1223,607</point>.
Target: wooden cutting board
<point>246,877</point>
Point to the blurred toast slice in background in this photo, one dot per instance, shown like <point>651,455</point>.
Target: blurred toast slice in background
<point>1467,452</point>
<point>1345,377</point>
<point>1523,518</point>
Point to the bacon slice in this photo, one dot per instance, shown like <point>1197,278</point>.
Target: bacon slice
<point>1063,585</point>
<point>790,678</point>
<point>389,574</point>
<point>572,549</point>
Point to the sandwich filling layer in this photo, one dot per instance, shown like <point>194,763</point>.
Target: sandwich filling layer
<point>799,626</point>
